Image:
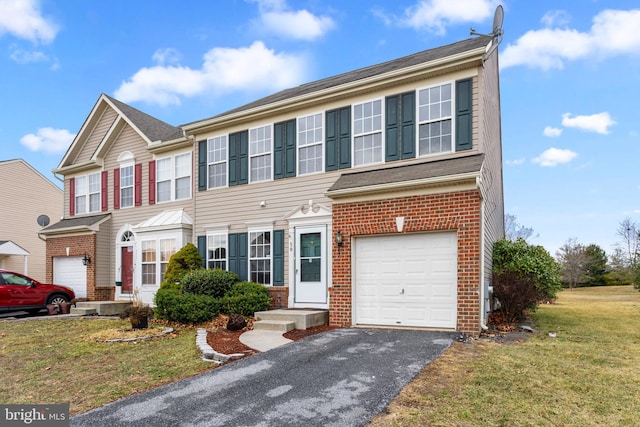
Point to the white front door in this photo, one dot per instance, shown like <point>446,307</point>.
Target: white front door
<point>311,265</point>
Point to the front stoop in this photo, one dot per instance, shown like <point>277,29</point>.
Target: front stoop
<point>102,308</point>
<point>283,318</point>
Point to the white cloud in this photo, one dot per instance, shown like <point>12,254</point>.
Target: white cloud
<point>554,157</point>
<point>555,18</point>
<point>48,139</point>
<point>299,24</point>
<point>436,15</point>
<point>614,32</point>
<point>552,132</point>
<point>23,19</point>
<point>26,57</point>
<point>598,123</point>
<point>515,162</point>
<point>224,70</point>
<point>166,56</point>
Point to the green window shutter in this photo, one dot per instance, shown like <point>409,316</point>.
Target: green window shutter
<point>284,149</point>
<point>238,255</point>
<point>338,139</point>
<point>408,123</point>
<point>278,258</point>
<point>464,115</point>
<point>202,165</point>
<point>239,158</point>
<point>202,248</point>
<point>392,137</point>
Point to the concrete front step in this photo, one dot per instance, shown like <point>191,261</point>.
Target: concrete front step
<point>104,308</point>
<point>303,319</point>
<point>83,311</point>
<point>274,325</point>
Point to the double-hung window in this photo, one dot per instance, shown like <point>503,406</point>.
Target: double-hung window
<point>260,257</point>
<point>87,193</point>
<point>435,119</point>
<point>167,249</point>
<point>217,161</point>
<point>367,132</point>
<point>148,262</point>
<point>217,251</point>
<point>260,144</point>
<point>310,137</point>
<point>173,178</point>
<point>126,186</point>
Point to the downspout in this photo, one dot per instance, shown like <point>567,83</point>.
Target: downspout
<point>482,262</point>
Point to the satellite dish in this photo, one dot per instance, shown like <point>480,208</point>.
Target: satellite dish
<point>496,30</point>
<point>43,220</point>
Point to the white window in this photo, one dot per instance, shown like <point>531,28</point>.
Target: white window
<point>435,121</point>
<point>126,186</point>
<point>367,132</point>
<point>217,251</point>
<point>260,257</point>
<point>155,258</point>
<point>260,153</point>
<point>217,161</point>
<point>173,178</point>
<point>88,193</point>
<point>310,137</point>
<point>167,249</point>
<point>148,262</point>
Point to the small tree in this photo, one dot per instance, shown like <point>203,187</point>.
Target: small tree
<point>595,265</point>
<point>572,258</point>
<point>185,260</point>
<point>514,231</point>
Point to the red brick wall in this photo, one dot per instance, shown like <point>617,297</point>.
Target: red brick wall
<point>458,211</point>
<point>279,296</point>
<point>78,246</point>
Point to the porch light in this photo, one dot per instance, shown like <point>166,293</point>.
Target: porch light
<point>339,241</point>
<point>86,260</point>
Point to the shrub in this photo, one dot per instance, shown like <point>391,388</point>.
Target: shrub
<point>214,282</point>
<point>517,293</point>
<point>246,298</point>
<point>185,260</point>
<point>173,305</point>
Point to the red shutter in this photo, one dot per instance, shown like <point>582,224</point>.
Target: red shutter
<point>116,188</point>
<point>105,190</point>
<point>137,179</point>
<point>72,196</point>
<point>152,182</point>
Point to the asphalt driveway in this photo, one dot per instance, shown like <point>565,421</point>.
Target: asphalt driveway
<point>337,378</point>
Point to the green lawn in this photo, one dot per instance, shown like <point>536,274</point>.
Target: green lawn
<point>588,375</point>
<point>53,361</point>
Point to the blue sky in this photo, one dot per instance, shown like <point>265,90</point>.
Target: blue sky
<point>569,81</point>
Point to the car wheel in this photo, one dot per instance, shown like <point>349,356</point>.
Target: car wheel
<point>57,299</point>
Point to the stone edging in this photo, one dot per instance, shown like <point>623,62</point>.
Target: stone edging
<point>165,332</point>
<point>208,353</point>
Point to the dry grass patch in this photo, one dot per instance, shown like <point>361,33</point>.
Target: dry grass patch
<point>587,376</point>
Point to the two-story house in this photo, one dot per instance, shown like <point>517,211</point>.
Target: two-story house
<point>375,194</point>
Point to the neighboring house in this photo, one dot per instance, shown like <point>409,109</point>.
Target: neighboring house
<point>25,194</point>
<point>375,194</point>
<point>127,204</point>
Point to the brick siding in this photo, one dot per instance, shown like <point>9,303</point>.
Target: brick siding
<point>279,296</point>
<point>458,211</point>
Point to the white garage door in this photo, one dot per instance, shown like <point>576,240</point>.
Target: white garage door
<point>406,280</point>
<point>69,271</point>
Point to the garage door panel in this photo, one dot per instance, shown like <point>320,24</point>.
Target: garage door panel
<point>408,280</point>
<point>69,271</point>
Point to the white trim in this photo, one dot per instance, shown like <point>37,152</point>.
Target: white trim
<point>265,153</point>
<point>133,185</point>
<point>321,143</point>
<point>173,178</point>
<point>226,161</point>
<point>249,258</point>
<point>381,131</point>
<point>420,123</point>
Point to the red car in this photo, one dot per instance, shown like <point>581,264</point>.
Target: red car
<point>21,293</point>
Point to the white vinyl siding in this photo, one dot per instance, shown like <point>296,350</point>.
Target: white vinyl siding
<point>260,145</point>
<point>367,133</point>
<point>310,148</point>
<point>217,161</point>
<point>435,119</point>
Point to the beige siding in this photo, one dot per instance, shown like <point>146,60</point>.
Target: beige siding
<point>26,194</point>
<point>97,135</point>
<point>103,245</point>
<point>491,144</point>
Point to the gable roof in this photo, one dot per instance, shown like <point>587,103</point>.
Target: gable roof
<point>150,129</point>
<point>426,56</point>
<point>75,224</point>
<point>428,172</point>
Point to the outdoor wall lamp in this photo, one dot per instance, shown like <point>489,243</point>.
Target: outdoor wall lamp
<point>86,260</point>
<point>339,241</point>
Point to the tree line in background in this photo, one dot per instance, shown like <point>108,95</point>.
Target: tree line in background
<point>589,265</point>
